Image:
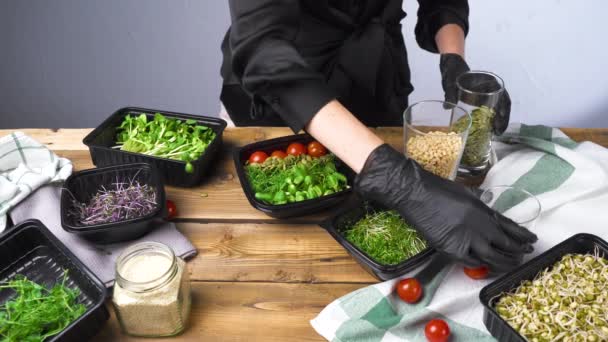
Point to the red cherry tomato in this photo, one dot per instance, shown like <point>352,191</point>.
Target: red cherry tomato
<point>437,330</point>
<point>477,273</point>
<point>171,209</point>
<point>257,157</point>
<point>315,149</point>
<point>409,290</point>
<point>295,149</point>
<point>279,154</point>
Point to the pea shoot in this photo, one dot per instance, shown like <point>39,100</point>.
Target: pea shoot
<point>385,237</point>
<point>37,312</point>
<point>164,137</point>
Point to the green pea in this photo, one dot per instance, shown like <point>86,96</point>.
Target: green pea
<point>189,167</point>
<point>279,196</point>
<point>308,180</point>
<point>264,196</point>
<point>340,177</point>
<point>292,189</point>
<point>331,182</point>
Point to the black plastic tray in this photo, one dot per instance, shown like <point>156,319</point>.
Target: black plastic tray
<point>102,138</point>
<point>84,184</point>
<point>350,214</point>
<point>241,155</point>
<point>29,249</point>
<point>499,328</point>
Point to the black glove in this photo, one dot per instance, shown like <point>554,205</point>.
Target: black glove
<point>453,65</point>
<point>450,217</point>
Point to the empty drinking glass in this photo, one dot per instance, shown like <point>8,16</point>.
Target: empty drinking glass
<point>515,203</point>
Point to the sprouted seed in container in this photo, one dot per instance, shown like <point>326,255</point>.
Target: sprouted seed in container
<point>385,237</point>
<point>567,302</point>
<point>120,202</point>
<point>436,152</point>
<point>479,142</point>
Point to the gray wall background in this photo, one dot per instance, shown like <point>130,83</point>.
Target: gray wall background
<point>70,63</point>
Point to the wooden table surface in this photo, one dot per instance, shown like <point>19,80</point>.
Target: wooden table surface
<point>255,278</point>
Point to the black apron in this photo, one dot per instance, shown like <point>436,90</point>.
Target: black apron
<point>367,67</point>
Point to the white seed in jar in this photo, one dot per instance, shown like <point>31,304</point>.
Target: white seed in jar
<point>436,152</point>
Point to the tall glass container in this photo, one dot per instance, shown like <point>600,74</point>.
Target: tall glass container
<point>152,293</point>
<point>479,92</point>
<point>432,137</point>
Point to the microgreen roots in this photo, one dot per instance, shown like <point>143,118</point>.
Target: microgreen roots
<point>123,201</point>
<point>385,237</point>
<point>36,312</point>
<point>567,302</point>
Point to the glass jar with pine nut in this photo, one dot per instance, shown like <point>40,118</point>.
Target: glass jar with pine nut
<point>432,138</point>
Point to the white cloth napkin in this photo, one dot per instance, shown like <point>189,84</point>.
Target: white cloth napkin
<point>571,182</point>
<point>26,165</point>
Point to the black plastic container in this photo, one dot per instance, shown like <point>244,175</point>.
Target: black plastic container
<point>348,216</point>
<point>29,249</point>
<point>499,328</point>
<point>84,184</point>
<point>241,155</point>
<point>102,138</point>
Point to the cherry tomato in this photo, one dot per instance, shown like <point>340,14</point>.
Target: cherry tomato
<point>257,157</point>
<point>437,330</point>
<point>279,154</point>
<point>478,272</point>
<point>171,209</point>
<point>315,149</point>
<point>409,290</point>
<point>295,149</point>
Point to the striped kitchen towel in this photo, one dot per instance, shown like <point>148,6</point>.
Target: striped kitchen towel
<point>571,182</point>
<point>26,165</point>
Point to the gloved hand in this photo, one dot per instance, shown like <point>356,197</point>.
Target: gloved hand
<point>451,218</point>
<point>453,65</point>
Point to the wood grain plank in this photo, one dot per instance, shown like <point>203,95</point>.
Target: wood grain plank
<point>270,253</point>
<point>249,312</point>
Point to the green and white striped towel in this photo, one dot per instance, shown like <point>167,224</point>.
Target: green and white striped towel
<point>26,165</point>
<point>571,182</point>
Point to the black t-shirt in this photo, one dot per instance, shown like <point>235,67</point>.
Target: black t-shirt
<point>285,59</point>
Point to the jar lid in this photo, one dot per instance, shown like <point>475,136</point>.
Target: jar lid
<point>145,266</point>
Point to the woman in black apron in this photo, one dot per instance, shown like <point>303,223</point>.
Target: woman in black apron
<point>333,67</point>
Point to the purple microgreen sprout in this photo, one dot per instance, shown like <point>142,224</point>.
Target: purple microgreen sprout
<point>121,202</point>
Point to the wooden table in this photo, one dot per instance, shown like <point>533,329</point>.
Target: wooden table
<point>255,278</point>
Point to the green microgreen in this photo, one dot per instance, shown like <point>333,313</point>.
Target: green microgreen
<point>37,312</point>
<point>295,178</point>
<point>164,137</point>
<point>385,237</point>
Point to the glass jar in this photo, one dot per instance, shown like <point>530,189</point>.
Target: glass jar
<point>479,93</point>
<point>152,291</point>
<point>432,138</point>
